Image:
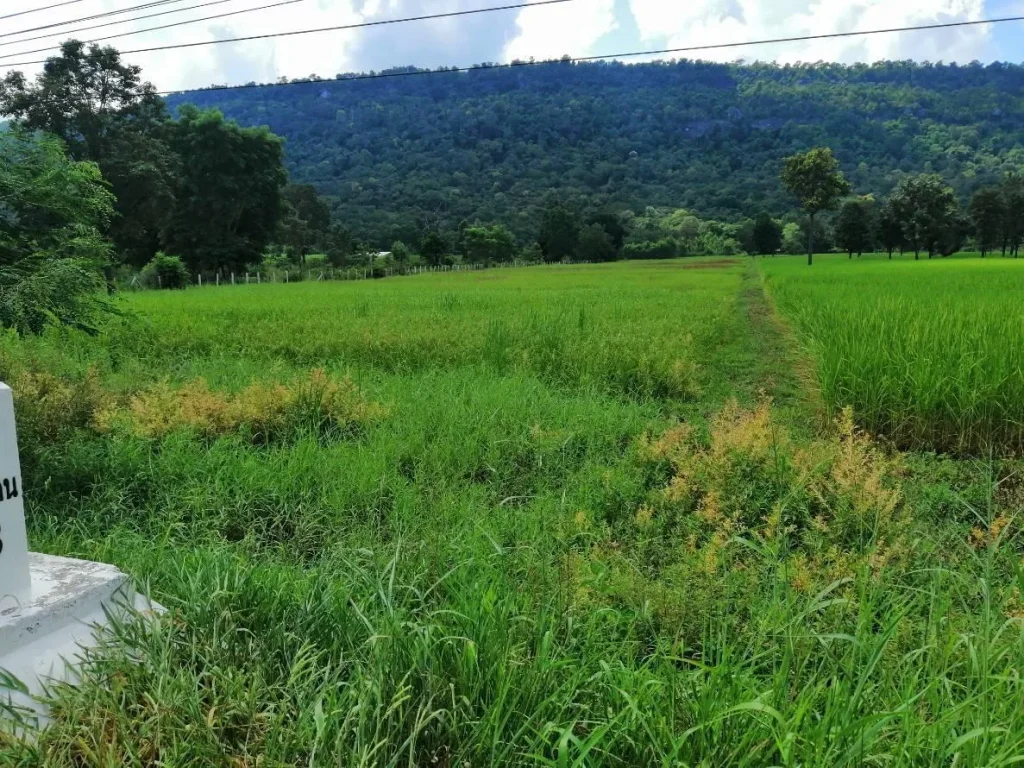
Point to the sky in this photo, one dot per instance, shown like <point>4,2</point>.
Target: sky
<point>576,28</point>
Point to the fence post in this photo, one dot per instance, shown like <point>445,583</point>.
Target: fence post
<point>218,278</point>
<point>286,275</point>
<point>232,278</point>
<point>258,278</point>
<point>200,279</point>
<point>159,282</point>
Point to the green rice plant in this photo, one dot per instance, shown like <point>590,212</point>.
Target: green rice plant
<point>927,354</point>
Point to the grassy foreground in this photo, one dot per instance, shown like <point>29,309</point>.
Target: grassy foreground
<point>526,517</point>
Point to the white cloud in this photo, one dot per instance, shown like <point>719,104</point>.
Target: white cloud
<point>703,22</point>
<point>552,31</point>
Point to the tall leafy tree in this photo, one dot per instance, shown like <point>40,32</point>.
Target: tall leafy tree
<point>485,243</point>
<point>433,247</point>
<point>106,113</point>
<point>814,177</point>
<point>52,212</point>
<point>766,236</point>
<point>927,211</point>
<point>854,230</point>
<point>229,191</point>
<point>559,232</point>
<point>988,216</point>
<point>890,229</point>
<point>595,244</point>
<point>1013,213</point>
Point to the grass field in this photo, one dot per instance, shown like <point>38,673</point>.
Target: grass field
<point>562,516</point>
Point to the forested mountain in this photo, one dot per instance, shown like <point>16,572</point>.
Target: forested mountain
<point>392,154</point>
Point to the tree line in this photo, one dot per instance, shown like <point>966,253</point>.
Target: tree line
<point>922,214</point>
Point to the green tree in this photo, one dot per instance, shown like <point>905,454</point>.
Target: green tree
<point>595,244</point>
<point>854,231</point>
<point>614,226</point>
<point>890,230</point>
<point>433,247</point>
<point>229,193</point>
<point>766,236</point>
<point>559,232</point>
<point>104,112</point>
<point>1013,213</point>
<point>401,253</point>
<point>489,243</point>
<point>926,210</point>
<point>814,177</point>
<point>52,213</point>
<point>987,215</point>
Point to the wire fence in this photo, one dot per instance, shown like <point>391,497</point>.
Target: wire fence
<point>324,273</point>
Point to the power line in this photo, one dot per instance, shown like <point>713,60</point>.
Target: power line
<point>148,29</point>
<point>108,24</point>
<point>144,6</point>
<point>448,15</point>
<point>40,8</point>
<point>603,57</point>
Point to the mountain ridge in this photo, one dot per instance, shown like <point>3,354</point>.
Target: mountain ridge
<point>394,154</point>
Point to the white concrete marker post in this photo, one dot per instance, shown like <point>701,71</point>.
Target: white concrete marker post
<point>15,579</point>
<point>50,607</point>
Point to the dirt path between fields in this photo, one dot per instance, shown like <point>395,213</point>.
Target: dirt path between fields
<point>784,372</point>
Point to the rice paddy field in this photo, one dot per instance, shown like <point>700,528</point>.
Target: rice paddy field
<point>704,512</point>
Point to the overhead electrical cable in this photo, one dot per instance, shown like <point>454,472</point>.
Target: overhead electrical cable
<point>604,57</point>
<point>72,32</point>
<point>40,8</point>
<point>360,25</point>
<point>149,29</point>
<point>144,6</point>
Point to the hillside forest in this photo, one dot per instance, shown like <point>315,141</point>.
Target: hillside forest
<point>552,162</point>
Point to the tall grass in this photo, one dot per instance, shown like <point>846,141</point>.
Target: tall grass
<point>927,353</point>
<point>515,552</point>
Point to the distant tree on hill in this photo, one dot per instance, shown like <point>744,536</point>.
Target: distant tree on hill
<point>766,237</point>
<point>814,177</point>
<point>927,210</point>
<point>988,217</point>
<point>854,230</point>
<point>559,232</point>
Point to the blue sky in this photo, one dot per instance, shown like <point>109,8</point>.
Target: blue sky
<point>579,27</point>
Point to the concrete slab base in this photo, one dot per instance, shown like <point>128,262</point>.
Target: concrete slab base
<point>41,638</point>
